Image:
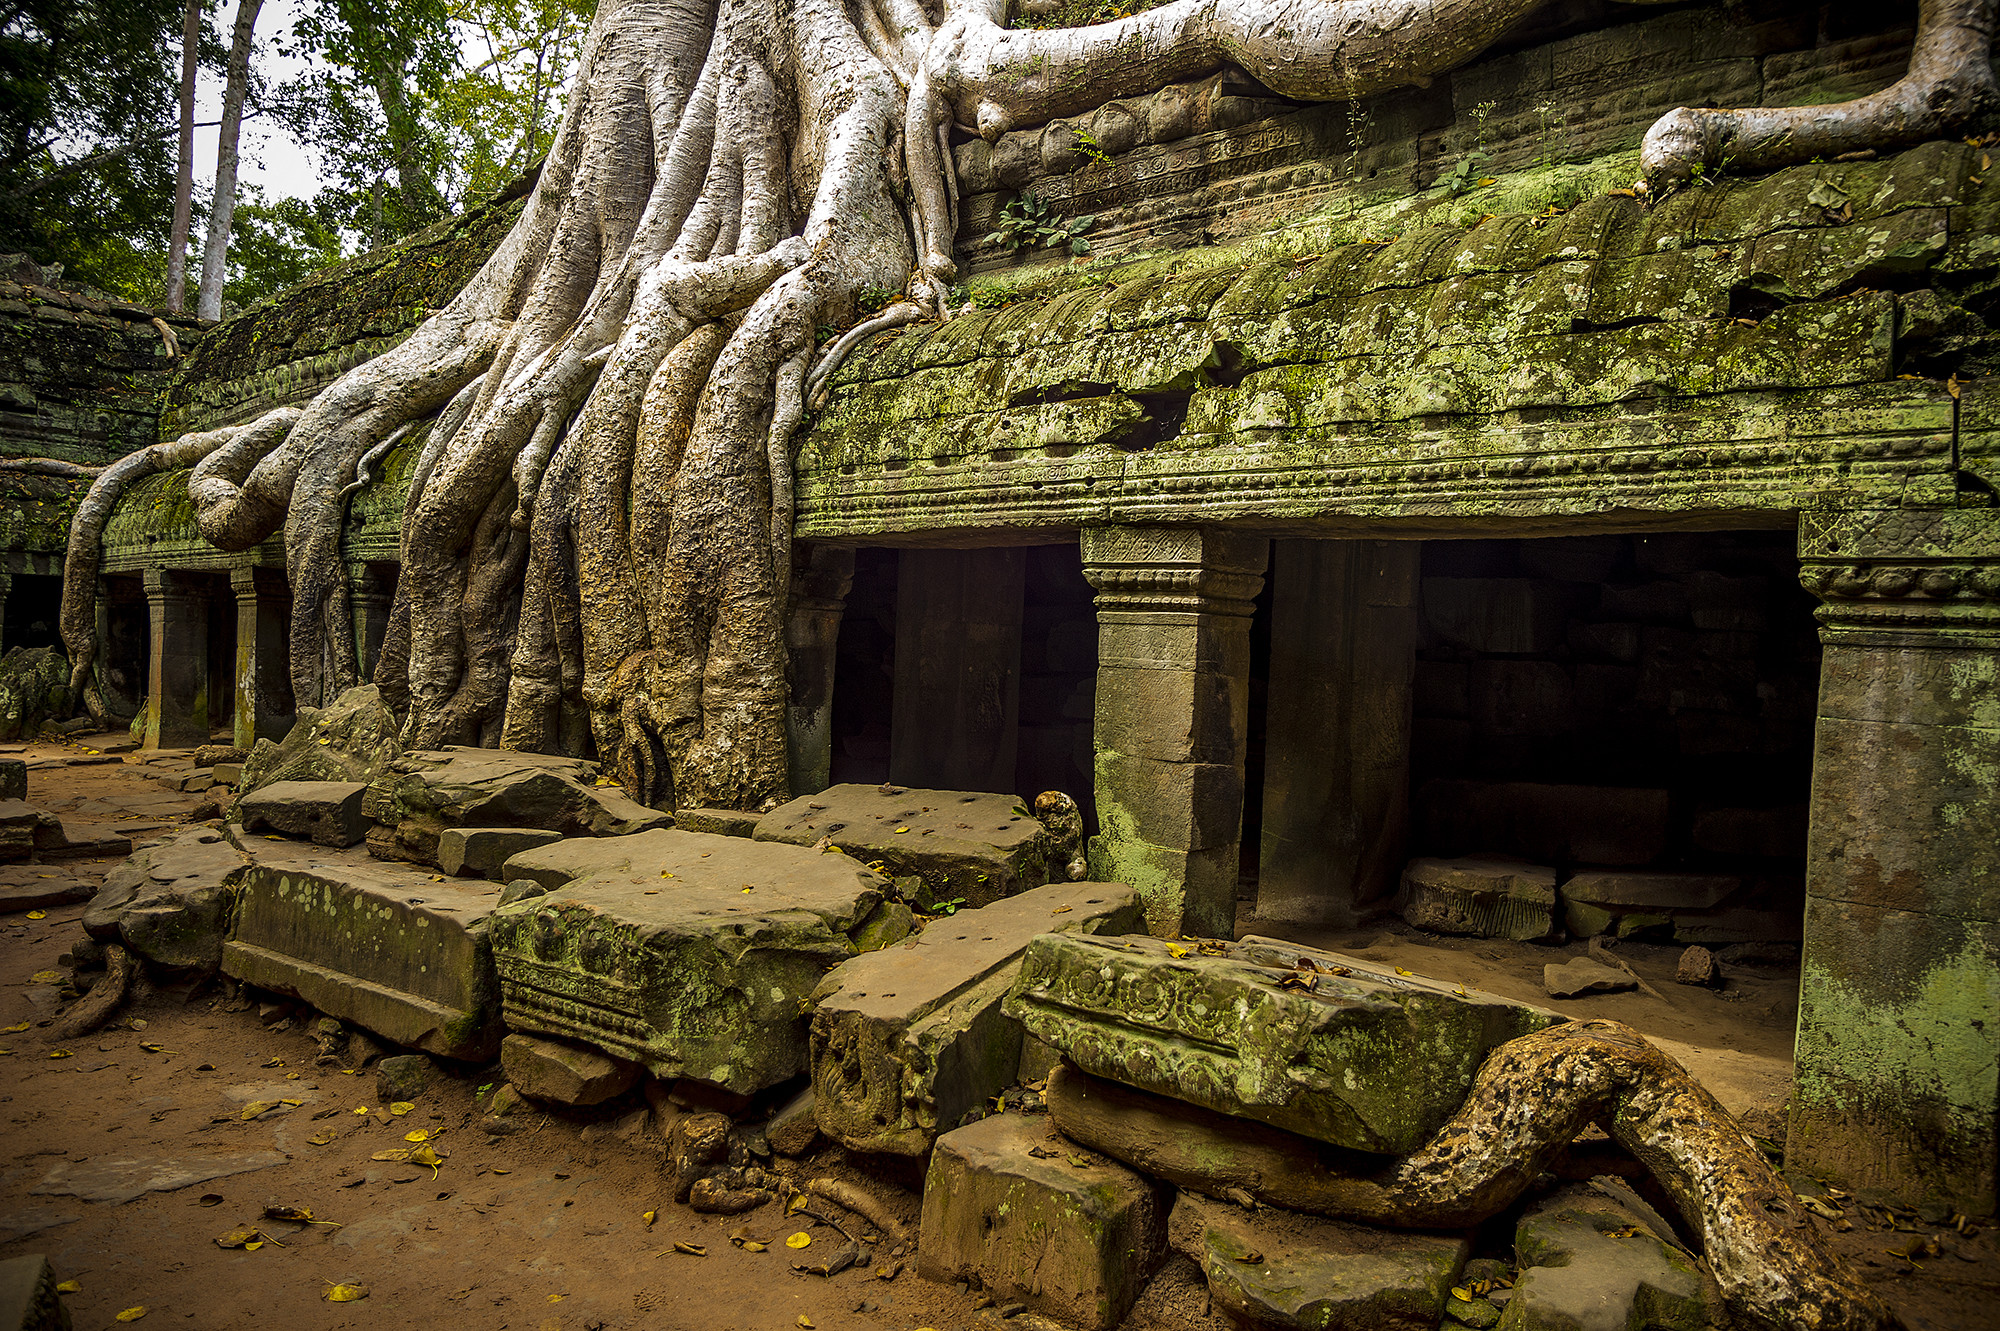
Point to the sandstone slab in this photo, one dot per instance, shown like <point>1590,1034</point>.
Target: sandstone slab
<point>691,954</point>
<point>355,739</point>
<point>170,902</point>
<point>1486,898</point>
<point>563,1073</point>
<point>423,793</point>
<point>1589,1263</point>
<point>478,852</point>
<point>21,826</point>
<point>722,822</point>
<point>1583,975</point>
<point>907,1039</point>
<point>382,946</point>
<point>1317,1043</point>
<point>28,1298</point>
<point>1276,1269</point>
<point>327,812</point>
<point>1039,1221</point>
<point>69,840</point>
<point>121,1178</point>
<point>940,846</point>
<point>13,779</point>
<point>56,890</point>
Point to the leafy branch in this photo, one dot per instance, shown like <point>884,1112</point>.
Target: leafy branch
<point>1029,221</point>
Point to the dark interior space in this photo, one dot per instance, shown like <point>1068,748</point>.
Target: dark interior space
<point>128,633</point>
<point>864,671</point>
<point>1626,705</point>
<point>34,607</point>
<point>221,651</point>
<point>1254,745</point>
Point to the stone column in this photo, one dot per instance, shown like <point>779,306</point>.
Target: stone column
<point>263,707</point>
<point>1898,1056</point>
<point>1337,728</point>
<point>119,670</point>
<point>371,592</point>
<point>177,666</point>
<point>1173,702</point>
<point>958,668</point>
<point>821,577</point>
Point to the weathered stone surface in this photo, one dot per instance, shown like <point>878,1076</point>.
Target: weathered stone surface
<point>1487,898</point>
<point>227,774</point>
<point>1276,1269</point>
<point>1659,892</point>
<point>1591,1264</point>
<point>121,1178</point>
<point>425,792</point>
<point>1318,1043</point>
<point>52,891</point>
<point>691,954</point>
<point>1582,975</point>
<point>212,755</point>
<point>957,845</point>
<point>1039,1221</point>
<point>1697,966</point>
<point>478,852</point>
<point>13,779</point>
<point>329,812</point>
<point>379,945</point>
<point>28,1297</point>
<point>170,902</point>
<point>34,689</point>
<point>73,841</point>
<point>795,1127</point>
<point>906,1040</point>
<point>403,1077</point>
<point>564,1073</point>
<point>722,822</point>
<point>353,740</point>
<point>21,825</point>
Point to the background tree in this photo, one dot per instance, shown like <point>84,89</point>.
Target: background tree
<point>191,29</point>
<point>222,205</point>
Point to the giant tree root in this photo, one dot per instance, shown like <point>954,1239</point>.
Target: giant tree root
<point>1531,1098</point>
<point>95,1008</point>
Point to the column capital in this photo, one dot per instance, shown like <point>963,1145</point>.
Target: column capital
<point>1904,577</point>
<point>165,584</point>
<point>1189,570</point>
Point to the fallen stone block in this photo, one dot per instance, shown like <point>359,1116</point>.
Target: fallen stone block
<point>1582,975</point>
<point>227,774</point>
<point>211,755</point>
<point>1697,967</point>
<point>795,1127</point>
<point>691,954</point>
<point>13,779</point>
<point>906,1040</point>
<point>403,1077</point>
<point>56,890</point>
<point>73,841</point>
<point>1284,1270</point>
<point>1318,1043</point>
<point>189,783</point>
<point>478,852</point>
<point>328,812</point>
<point>563,1073</point>
<point>721,822</point>
<point>940,846</point>
<point>28,1298</point>
<point>170,902</point>
<point>1040,1221</point>
<point>1589,1263</point>
<point>382,946</point>
<point>355,739</point>
<point>1627,904</point>
<point>1485,898</point>
<point>21,824</point>
<point>423,793</point>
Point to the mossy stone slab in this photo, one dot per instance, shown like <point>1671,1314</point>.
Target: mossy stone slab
<point>690,953</point>
<point>1318,1043</point>
<point>1589,1263</point>
<point>395,950</point>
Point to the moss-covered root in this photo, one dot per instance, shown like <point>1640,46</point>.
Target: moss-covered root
<point>1530,1099</point>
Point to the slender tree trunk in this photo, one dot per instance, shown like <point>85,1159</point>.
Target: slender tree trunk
<point>184,182</point>
<point>222,216</point>
<point>418,194</point>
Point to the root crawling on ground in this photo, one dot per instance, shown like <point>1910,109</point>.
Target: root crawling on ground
<point>595,542</point>
<point>1531,1098</point>
<point>96,1007</point>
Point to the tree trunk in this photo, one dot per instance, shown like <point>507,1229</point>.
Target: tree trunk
<point>184,180</point>
<point>418,194</point>
<point>222,215</point>
<point>1531,1098</point>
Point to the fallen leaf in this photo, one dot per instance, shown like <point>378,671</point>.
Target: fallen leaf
<point>399,1155</point>
<point>361,1109</point>
<point>805,1322</point>
<point>17,1026</point>
<point>256,1107</point>
<point>38,915</point>
<point>296,1214</point>
<point>691,1249</point>
<point>272,1063</point>
<point>649,1217</point>
<point>152,1048</point>
<point>420,1135</point>
<point>1464,1294</point>
<point>69,1287</point>
<point>324,1137</point>
<point>752,1245</point>
<point>555,1298</point>
<point>132,1314</point>
<point>799,1240</point>
<point>347,1293</point>
<point>401,1107</point>
<point>59,1053</point>
<point>46,977</point>
<point>240,1238</point>
<point>1401,971</point>
<point>1251,1258</point>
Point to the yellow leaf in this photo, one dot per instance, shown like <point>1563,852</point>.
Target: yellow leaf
<point>401,1107</point>
<point>420,1135</point>
<point>38,915</point>
<point>132,1314</point>
<point>346,1293</point>
<point>7,1053</point>
<point>291,1076</point>
<point>691,1249</point>
<point>240,1238</point>
<point>1401,971</point>
<point>47,977</point>
<point>253,1245</point>
<point>324,1137</point>
<point>799,1240</point>
<point>805,1322</point>
<point>361,1109</point>
<point>256,1107</point>
<point>1176,950</point>
<point>902,829</point>
<point>272,1063</point>
<point>555,1298</point>
<point>399,1155</point>
<point>751,1245</point>
<point>69,1287</point>
<point>17,1026</point>
<point>151,1048</point>
<point>650,1216</point>
<point>58,1053</point>
<point>1464,1294</point>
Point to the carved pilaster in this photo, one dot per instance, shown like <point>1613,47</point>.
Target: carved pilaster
<point>1173,696</point>
<point>177,666</point>
<point>263,655</point>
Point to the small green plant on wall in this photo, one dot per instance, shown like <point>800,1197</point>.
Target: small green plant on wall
<point>1029,221</point>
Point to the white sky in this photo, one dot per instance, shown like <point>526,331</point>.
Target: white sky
<point>272,159</point>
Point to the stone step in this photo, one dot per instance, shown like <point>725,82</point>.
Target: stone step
<point>22,825</point>
<point>1318,1043</point>
<point>1038,1220</point>
<point>907,1039</point>
<point>692,954</point>
<point>957,845</point>
<point>395,950</point>
<point>75,841</point>
<point>479,852</point>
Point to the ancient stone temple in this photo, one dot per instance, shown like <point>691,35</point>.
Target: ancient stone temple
<point>1394,512</point>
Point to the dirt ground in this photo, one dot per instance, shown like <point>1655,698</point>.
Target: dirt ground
<point>545,1228</point>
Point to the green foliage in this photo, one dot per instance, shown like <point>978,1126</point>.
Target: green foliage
<point>276,245</point>
<point>1029,221</point>
<point>1087,144</point>
<point>872,299</point>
